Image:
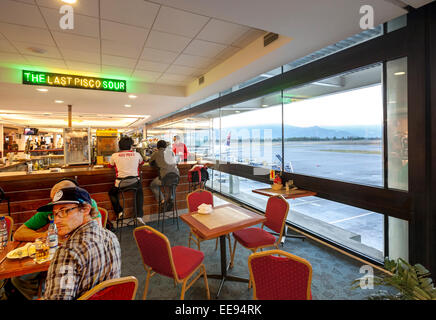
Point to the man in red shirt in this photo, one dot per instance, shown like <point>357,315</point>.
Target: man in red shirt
<point>179,149</point>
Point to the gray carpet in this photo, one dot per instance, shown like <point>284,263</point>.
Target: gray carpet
<point>333,272</point>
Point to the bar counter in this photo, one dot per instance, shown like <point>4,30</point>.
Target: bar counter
<point>28,191</point>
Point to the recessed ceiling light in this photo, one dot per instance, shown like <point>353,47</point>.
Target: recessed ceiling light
<point>237,111</point>
<point>59,101</point>
<point>42,90</point>
<point>264,105</point>
<point>132,96</point>
<point>127,105</point>
<point>37,50</point>
<point>69,1</point>
<point>399,73</point>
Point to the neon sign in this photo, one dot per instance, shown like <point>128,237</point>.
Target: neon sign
<point>72,81</point>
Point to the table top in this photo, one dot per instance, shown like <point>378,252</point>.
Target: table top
<point>17,267</point>
<point>291,194</point>
<point>246,219</point>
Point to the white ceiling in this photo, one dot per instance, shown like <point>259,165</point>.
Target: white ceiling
<point>160,46</point>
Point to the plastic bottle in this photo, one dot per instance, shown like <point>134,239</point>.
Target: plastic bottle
<point>52,239</point>
<point>3,233</point>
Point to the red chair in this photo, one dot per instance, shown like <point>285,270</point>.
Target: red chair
<point>257,238</point>
<point>114,289</point>
<point>280,278</point>
<point>179,263</point>
<point>9,226</point>
<point>104,215</point>
<point>195,199</point>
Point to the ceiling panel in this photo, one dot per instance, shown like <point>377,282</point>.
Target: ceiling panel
<point>81,56</point>
<point>21,13</point>
<point>146,76</point>
<point>193,61</point>
<point>45,62</point>
<point>187,71</point>
<point>5,46</point>
<point>204,48</point>
<point>133,12</point>
<point>122,33</point>
<point>116,72</point>
<point>179,22</point>
<point>222,32</point>
<point>81,66</point>
<point>118,61</point>
<point>26,48</point>
<point>83,25</point>
<point>26,34</point>
<point>72,41</point>
<point>11,58</point>
<point>116,48</point>
<point>85,7</point>
<point>157,55</point>
<point>176,77</point>
<point>151,66</point>
<point>166,41</point>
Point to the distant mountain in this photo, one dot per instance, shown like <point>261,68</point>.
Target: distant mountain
<point>373,131</point>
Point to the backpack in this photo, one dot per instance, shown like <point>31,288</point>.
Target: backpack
<point>198,173</point>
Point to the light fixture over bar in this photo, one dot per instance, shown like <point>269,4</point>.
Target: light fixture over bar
<point>41,78</point>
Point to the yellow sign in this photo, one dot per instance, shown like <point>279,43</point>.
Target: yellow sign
<point>107,133</point>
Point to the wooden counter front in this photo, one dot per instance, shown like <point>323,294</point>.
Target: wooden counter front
<point>27,192</point>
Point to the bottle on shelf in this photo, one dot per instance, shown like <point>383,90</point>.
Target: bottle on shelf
<point>52,239</point>
<point>3,233</point>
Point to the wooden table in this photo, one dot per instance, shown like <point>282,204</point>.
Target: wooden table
<point>291,194</point>
<point>245,218</point>
<point>17,267</point>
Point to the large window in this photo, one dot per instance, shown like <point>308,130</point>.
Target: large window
<point>334,127</point>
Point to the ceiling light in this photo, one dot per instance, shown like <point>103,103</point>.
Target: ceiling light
<point>42,90</point>
<point>37,50</point>
<point>132,96</point>
<point>127,105</point>
<point>69,1</point>
<point>399,73</point>
<point>264,105</point>
<point>237,111</point>
<point>59,101</point>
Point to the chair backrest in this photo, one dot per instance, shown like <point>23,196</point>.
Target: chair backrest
<point>155,251</point>
<point>276,212</point>
<point>197,197</point>
<point>9,226</point>
<point>128,182</point>
<point>114,289</point>
<point>104,215</point>
<point>280,278</point>
<point>2,195</point>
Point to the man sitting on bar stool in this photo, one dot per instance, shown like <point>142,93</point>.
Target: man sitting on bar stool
<point>164,159</point>
<point>127,163</point>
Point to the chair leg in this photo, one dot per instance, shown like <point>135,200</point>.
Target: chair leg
<point>233,255</point>
<point>216,244</point>
<point>205,282</point>
<point>147,282</point>
<point>182,296</point>
<point>230,243</point>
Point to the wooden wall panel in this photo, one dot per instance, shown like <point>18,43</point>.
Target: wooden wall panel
<point>28,192</point>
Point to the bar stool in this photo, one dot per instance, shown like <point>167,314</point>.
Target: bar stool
<point>127,184</point>
<point>168,190</point>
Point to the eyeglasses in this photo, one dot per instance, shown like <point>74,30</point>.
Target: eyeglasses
<point>62,213</point>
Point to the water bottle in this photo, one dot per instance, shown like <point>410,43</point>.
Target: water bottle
<point>52,239</point>
<point>3,233</point>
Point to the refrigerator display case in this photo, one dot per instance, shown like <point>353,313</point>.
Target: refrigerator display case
<point>77,146</point>
<point>107,144</point>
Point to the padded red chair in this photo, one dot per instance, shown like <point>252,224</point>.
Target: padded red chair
<point>195,199</point>
<point>9,226</point>
<point>179,263</point>
<point>114,289</point>
<point>280,278</point>
<point>104,215</point>
<point>257,238</point>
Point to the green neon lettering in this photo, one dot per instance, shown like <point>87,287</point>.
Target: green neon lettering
<point>104,84</point>
<point>27,74</point>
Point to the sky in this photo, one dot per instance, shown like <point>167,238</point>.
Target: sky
<point>351,108</point>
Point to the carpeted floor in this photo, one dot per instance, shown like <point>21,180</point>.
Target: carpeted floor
<point>333,272</point>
